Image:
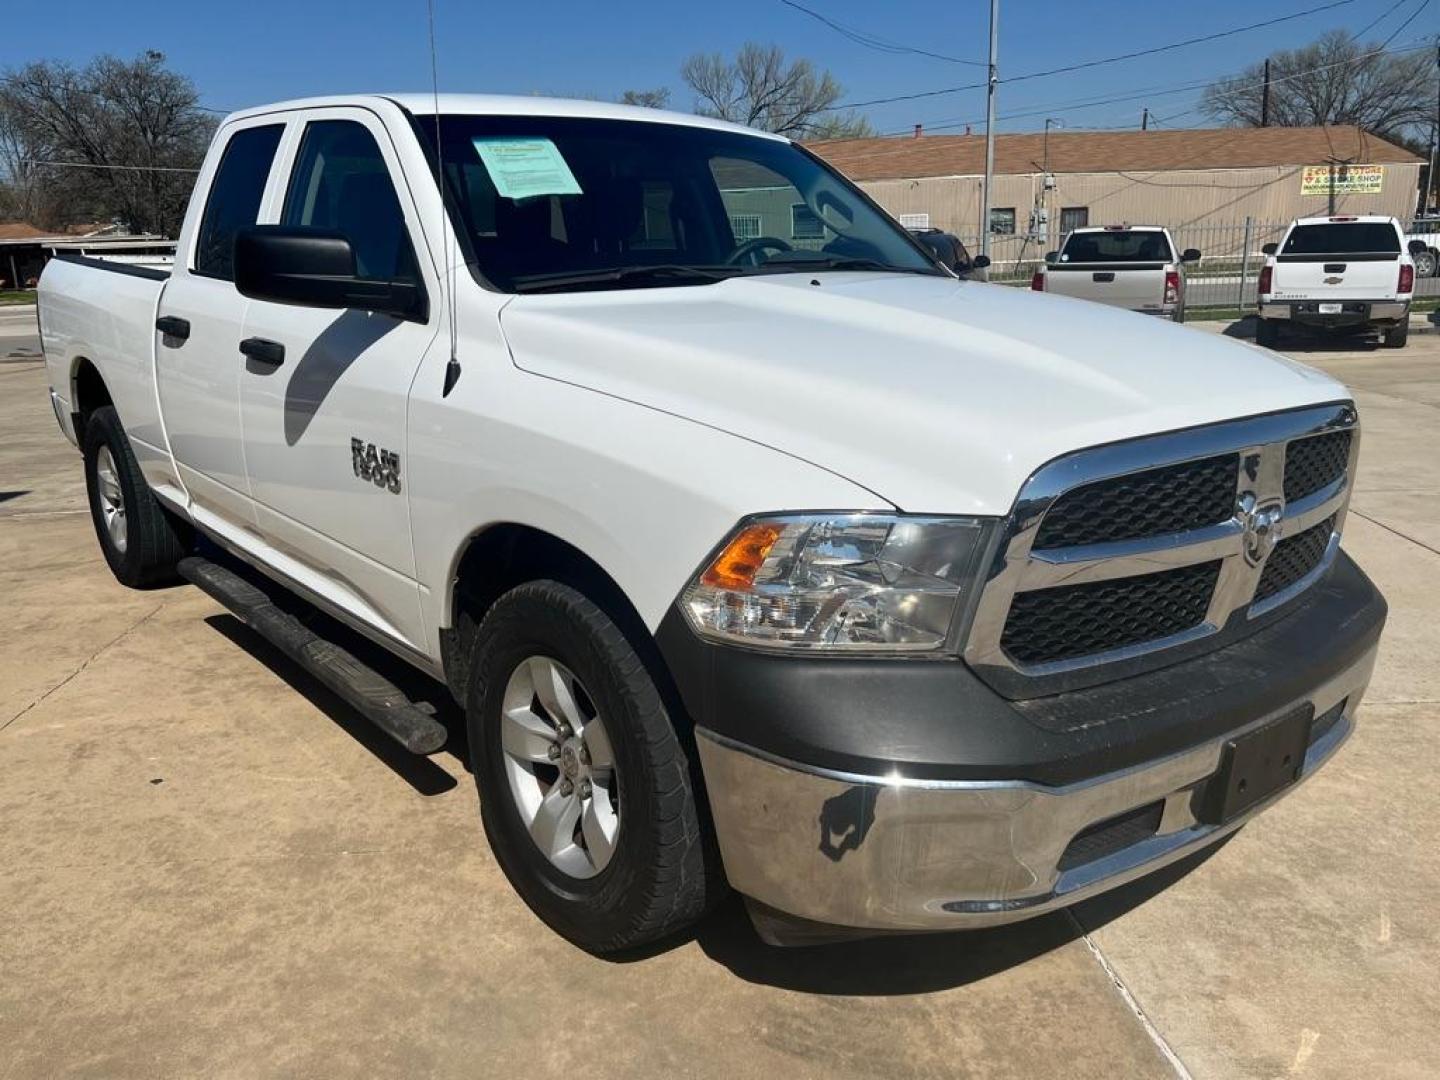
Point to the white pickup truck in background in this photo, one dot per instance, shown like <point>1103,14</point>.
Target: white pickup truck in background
<point>1136,267</point>
<point>1346,272</point>
<point>891,600</point>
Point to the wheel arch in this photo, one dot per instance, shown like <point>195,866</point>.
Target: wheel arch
<point>88,392</point>
<point>502,555</point>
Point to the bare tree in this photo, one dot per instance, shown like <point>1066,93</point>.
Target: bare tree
<point>115,140</point>
<point>659,98</point>
<point>760,89</point>
<point>1334,80</point>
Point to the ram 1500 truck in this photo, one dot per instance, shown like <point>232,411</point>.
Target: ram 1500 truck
<point>759,550</point>
<point>1137,267</point>
<point>1344,272</point>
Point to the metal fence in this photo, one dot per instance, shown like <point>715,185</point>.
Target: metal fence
<point>1224,277</point>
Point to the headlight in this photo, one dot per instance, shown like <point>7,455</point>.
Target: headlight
<point>851,583</point>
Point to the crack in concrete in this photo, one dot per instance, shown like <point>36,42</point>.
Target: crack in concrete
<point>1161,1044</point>
<point>1394,531</point>
<point>85,664</point>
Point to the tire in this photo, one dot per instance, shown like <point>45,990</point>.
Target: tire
<point>1267,333</point>
<point>1426,264</point>
<point>141,541</point>
<point>1397,335</point>
<point>661,872</point>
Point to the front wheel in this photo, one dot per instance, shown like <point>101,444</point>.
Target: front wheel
<point>1425,264</point>
<point>140,540</point>
<point>587,795</point>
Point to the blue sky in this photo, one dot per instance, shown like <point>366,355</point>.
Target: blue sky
<point>264,50</point>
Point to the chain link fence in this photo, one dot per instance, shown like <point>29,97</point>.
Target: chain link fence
<point>1225,276</point>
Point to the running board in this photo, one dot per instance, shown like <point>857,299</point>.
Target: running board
<point>370,693</point>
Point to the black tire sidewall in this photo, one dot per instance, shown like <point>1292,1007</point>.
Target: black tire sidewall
<point>547,619</point>
<point>104,430</point>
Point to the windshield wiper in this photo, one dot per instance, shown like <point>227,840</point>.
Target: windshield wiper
<point>624,275</point>
<point>790,261</point>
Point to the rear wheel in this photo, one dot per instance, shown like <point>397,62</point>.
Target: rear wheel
<point>141,541</point>
<point>587,795</point>
<point>1267,333</point>
<point>1397,335</point>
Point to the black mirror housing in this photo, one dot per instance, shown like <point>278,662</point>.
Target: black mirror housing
<point>980,262</point>
<point>1417,247</point>
<point>1050,257</point>
<point>1190,255</point>
<point>1270,249</point>
<point>316,268</point>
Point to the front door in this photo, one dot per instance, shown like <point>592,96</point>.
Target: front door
<point>325,425</point>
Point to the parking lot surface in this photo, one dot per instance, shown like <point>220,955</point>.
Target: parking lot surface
<point>212,867</point>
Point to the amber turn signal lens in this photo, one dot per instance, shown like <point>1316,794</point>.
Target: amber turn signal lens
<point>737,565</point>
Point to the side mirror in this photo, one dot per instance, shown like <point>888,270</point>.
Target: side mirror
<point>316,268</point>
<point>1418,247</point>
<point>1190,255</point>
<point>1269,249</point>
<point>980,262</point>
<point>1050,257</point>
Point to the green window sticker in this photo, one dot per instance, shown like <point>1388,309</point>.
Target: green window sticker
<point>523,167</point>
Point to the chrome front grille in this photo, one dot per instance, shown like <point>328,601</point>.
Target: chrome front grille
<point>1117,557</point>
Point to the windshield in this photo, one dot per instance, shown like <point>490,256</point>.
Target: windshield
<point>1343,238</point>
<point>1128,245</point>
<point>561,203</point>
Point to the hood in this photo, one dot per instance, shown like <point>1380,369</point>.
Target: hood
<point>940,396</point>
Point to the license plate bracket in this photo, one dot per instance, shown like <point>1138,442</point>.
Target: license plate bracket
<point>1255,766</point>
<point>1331,309</point>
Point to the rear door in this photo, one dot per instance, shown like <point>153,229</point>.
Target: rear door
<point>1352,260</point>
<point>1123,268</point>
<point>325,427</point>
<point>198,367</point>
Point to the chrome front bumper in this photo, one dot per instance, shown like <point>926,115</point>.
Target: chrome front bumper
<point>891,853</point>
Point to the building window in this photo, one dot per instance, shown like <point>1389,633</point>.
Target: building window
<point>1074,217</point>
<point>915,221</point>
<point>805,224</point>
<point>1002,220</point>
<point>745,226</point>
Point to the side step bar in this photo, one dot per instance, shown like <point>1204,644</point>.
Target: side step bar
<point>369,692</point>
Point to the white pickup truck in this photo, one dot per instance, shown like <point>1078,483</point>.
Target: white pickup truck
<point>1137,267</point>
<point>1343,272</point>
<point>760,551</point>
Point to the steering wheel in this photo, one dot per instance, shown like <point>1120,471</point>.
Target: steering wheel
<point>751,248</point>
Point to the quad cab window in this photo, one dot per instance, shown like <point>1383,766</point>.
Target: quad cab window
<point>234,200</point>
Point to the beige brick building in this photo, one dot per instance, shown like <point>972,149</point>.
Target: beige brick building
<point>1199,181</point>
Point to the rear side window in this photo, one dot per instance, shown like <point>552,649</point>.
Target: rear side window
<point>1343,238</point>
<point>234,200</point>
<point>341,182</point>
<point>1130,245</point>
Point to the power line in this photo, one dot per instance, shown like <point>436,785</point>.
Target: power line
<point>1104,60</point>
<point>1376,21</point>
<point>1423,5</point>
<point>872,41</point>
<point>1158,91</point>
<point>90,165</point>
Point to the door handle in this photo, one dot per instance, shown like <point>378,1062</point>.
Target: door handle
<point>264,350</point>
<point>173,326</point>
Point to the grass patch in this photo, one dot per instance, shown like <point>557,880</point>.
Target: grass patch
<point>22,296</point>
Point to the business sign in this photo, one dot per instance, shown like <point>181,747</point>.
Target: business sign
<point>1349,179</point>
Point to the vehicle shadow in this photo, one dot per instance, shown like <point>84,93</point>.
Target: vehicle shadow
<point>423,774</point>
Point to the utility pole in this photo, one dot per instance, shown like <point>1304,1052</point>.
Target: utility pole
<point>1425,201</point>
<point>1145,119</point>
<point>1265,97</point>
<point>990,128</point>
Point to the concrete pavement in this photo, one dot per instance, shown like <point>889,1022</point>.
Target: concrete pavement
<point>211,866</point>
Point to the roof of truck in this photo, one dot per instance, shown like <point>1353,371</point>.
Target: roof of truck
<point>1347,219</point>
<point>424,104</point>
